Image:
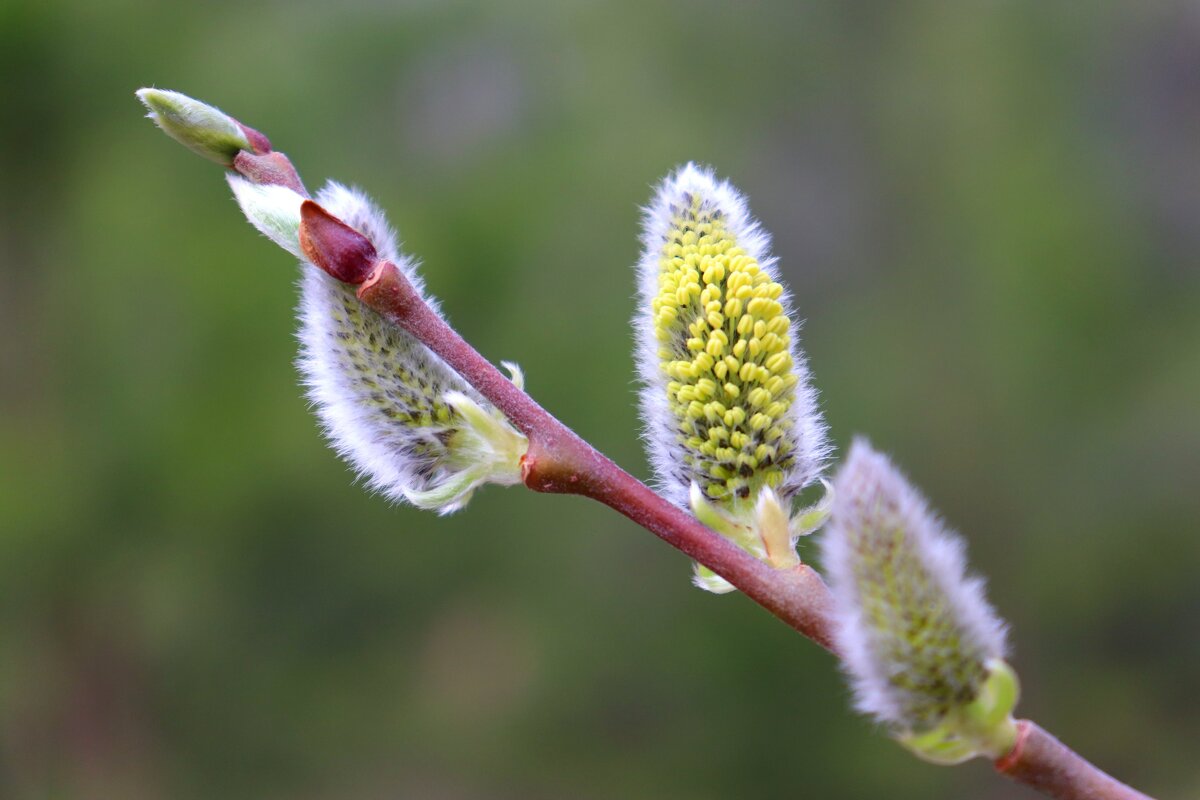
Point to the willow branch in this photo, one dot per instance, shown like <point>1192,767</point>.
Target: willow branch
<point>559,461</point>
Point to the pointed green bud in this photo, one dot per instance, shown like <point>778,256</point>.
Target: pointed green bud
<point>923,648</point>
<point>200,127</point>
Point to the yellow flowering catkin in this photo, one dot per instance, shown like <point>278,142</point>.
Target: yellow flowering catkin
<point>725,398</point>
<point>731,421</point>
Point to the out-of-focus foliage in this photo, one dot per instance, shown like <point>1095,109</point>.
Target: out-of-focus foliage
<point>987,212</point>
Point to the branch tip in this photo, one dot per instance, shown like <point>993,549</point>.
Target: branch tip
<point>518,441</point>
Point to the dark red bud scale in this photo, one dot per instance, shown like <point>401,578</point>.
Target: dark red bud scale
<point>334,246</point>
<point>258,141</point>
<point>269,169</point>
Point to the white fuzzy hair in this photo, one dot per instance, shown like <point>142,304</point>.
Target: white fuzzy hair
<point>667,455</point>
<point>880,522</point>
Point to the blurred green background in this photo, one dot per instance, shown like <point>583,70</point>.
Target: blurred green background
<point>987,212</point>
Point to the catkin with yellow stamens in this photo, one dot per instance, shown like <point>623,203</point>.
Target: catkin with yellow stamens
<point>726,398</point>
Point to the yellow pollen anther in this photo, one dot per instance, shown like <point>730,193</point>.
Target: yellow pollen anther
<point>735,416</point>
<point>778,362</point>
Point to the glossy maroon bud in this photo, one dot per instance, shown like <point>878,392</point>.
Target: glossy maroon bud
<point>334,246</point>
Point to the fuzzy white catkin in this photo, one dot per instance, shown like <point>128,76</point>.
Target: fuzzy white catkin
<point>390,406</point>
<point>915,632</point>
<point>407,423</point>
<point>725,404</point>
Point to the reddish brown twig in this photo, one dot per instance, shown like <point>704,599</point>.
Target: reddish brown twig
<point>1042,762</point>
